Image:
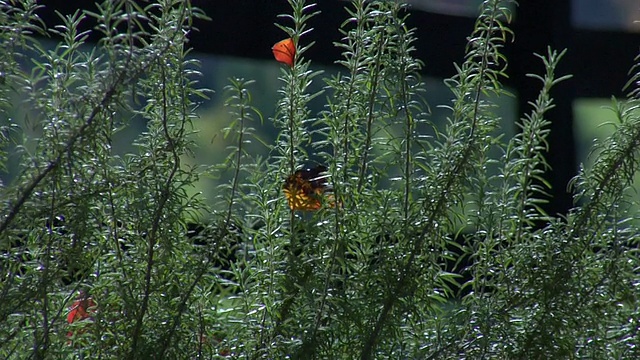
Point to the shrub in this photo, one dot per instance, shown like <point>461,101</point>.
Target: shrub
<point>365,271</point>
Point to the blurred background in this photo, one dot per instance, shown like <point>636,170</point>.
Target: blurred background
<point>603,37</point>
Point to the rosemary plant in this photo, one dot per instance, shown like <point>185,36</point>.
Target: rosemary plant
<point>417,240</point>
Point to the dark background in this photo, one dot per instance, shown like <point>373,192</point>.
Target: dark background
<point>599,60</point>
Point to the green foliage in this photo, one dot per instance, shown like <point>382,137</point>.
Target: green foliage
<point>369,274</point>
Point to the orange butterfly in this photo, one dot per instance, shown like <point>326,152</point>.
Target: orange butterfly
<point>285,51</point>
<point>304,188</point>
<point>81,309</point>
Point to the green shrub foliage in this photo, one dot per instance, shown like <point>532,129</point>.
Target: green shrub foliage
<point>368,275</point>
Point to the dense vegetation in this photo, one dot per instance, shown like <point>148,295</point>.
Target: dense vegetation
<point>429,241</point>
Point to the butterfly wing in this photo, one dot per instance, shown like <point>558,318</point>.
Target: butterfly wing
<point>301,194</point>
<point>304,188</point>
<point>81,308</point>
<point>285,51</point>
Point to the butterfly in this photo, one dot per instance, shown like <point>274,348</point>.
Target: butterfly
<point>304,188</point>
<point>83,307</point>
<point>285,51</point>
